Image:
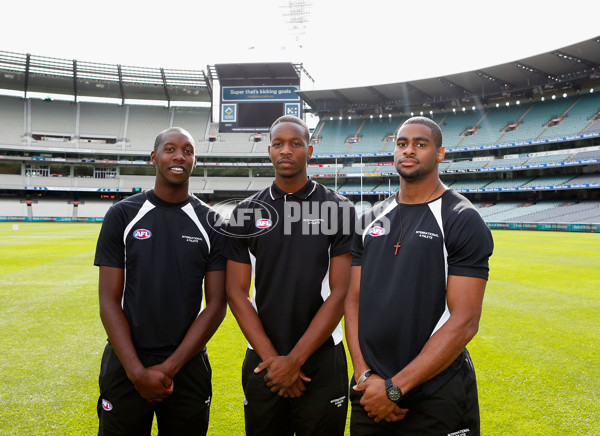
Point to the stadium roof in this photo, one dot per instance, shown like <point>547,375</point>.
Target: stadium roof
<point>257,74</point>
<point>28,73</point>
<point>573,67</point>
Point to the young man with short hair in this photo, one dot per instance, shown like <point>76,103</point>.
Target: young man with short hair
<point>155,251</point>
<point>419,271</point>
<point>295,238</point>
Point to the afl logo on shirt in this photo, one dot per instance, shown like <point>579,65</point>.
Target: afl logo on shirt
<point>263,223</point>
<point>106,405</point>
<point>142,234</point>
<point>377,231</point>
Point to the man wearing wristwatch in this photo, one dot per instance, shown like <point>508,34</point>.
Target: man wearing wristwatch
<point>419,271</point>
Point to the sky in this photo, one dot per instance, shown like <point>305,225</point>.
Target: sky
<point>342,44</point>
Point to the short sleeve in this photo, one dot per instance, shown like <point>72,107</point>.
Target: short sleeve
<point>469,245</point>
<point>216,259</point>
<point>235,246</point>
<point>357,248</point>
<point>342,240</point>
<point>110,248</point>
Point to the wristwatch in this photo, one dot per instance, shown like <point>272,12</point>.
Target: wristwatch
<point>393,392</point>
<point>365,375</point>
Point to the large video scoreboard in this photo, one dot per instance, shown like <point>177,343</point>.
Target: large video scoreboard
<point>254,95</point>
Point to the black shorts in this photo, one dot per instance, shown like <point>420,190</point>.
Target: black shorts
<point>321,410</point>
<point>451,410</point>
<point>122,411</point>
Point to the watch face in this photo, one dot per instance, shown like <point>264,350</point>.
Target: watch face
<point>393,392</point>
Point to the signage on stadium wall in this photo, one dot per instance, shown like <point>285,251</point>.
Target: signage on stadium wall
<point>532,188</point>
<point>545,226</point>
<point>252,109</point>
<point>259,93</point>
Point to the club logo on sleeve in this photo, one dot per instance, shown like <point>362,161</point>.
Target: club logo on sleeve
<point>263,223</point>
<point>106,405</point>
<point>376,231</point>
<point>142,234</point>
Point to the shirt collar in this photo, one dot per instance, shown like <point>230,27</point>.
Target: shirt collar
<point>303,193</point>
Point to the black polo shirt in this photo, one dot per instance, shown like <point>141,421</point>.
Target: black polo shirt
<point>165,249</point>
<point>289,240</point>
<point>403,289</point>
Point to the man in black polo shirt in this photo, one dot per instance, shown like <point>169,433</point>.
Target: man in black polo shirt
<point>155,251</point>
<point>419,271</point>
<point>295,238</point>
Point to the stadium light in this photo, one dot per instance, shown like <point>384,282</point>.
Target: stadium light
<point>430,112</point>
<point>592,91</point>
<point>553,97</point>
<point>453,110</point>
<point>565,95</point>
<point>349,117</point>
<point>518,102</point>
<point>389,115</point>
<point>463,109</point>
<point>380,116</point>
<point>330,118</point>
<point>340,118</point>
<point>507,104</point>
<point>421,113</point>
<point>371,116</point>
<point>543,98</point>
<point>412,114</point>
<point>473,108</point>
<point>497,104</point>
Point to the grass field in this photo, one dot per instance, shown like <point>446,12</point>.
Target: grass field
<point>537,354</point>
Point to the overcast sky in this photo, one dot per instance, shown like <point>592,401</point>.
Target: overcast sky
<point>345,44</point>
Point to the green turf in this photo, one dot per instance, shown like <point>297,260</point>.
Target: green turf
<point>536,353</point>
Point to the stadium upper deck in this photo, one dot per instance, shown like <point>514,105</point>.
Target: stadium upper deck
<point>510,142</point>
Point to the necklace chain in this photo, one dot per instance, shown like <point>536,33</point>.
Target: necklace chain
<point>433,192</point>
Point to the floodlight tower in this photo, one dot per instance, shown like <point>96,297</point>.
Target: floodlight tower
<point>296,14</point>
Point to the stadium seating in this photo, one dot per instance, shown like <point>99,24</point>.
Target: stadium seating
<point>260,183</point>
<point>508,183</point>
<point>12,120</point>
<point>490,129</point>
<point>374,134</point>
<point>97,119</point>
<point>467,165</point>
<point>48,207</point>
<point>583,155</point>
<point>334,134</point>
<point>549,181</point>
<point>534,122</point>
<point>489,212</point>
<point>594,127</point>
<point>143,125</point>
<point>53,117</point>
<point>227,184</point>
<point>13,207</point>
<point>506,163</point>
<point>523,210</point>
<point>585,179</point>
<point>455,124</point>
<point>93,208</point>
<point>576,119</point>
<point>561,212</point>
<point>367,186</point>
<point>470,184</point>
<point>546,159</point>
